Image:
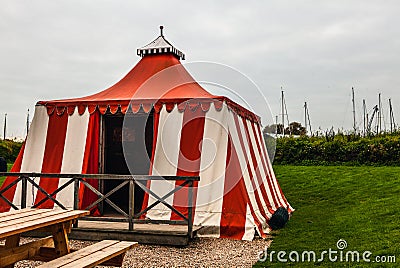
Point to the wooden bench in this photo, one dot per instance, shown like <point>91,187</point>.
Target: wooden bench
<point>93,255</point>
<point>17,222</point>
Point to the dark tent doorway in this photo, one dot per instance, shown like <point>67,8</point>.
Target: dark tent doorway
<point>128,143</point>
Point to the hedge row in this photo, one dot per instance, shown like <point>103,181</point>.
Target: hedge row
<point>340,149</point>
<point>304,150</point>
<point>9,150</point>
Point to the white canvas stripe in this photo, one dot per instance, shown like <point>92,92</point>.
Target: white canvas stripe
<point>165,160</point>
<point>253,171</point>
<point>265,186</point>
<point>33,155</point>
<point>212,168</point>
<point>74,150</point>
<point>249,225</point>
<point>243,165</point>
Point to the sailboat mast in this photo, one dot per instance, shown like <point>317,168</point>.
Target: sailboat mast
<point>391,115</point>
<point>5,126</point>
<point>379,114</point>
<point>305,115</point>
<point>283,113</point>
<point>354,111</point>
<point>364,117</point>
<point>27,123</point>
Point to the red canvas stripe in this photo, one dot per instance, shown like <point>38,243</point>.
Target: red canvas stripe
<point>271,176</point>
<point>233,216</point>
<point>90,163</point>
<point>189,157</point>
<point>256,194</point>
<point>236,199</point>
<point>53,155</point>
<point>267,171</point>
<point>260,181</point>
<point>156,123</point>
<point>9,194</point>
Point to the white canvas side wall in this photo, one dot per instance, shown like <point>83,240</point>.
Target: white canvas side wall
<point>165,160</point>
<point>212,169</point>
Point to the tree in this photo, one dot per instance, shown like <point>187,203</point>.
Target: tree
<point>295,128</point>
<point>274,128</point>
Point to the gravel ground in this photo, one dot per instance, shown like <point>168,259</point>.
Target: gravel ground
<point>202,252</point>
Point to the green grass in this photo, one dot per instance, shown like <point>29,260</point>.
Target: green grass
<point>357,204</point>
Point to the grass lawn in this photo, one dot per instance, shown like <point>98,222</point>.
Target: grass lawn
<point>357,204</point>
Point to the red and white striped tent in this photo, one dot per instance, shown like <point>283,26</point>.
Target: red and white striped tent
<point>194,134</point>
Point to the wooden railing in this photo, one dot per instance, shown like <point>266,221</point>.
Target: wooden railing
<point>131,180</point>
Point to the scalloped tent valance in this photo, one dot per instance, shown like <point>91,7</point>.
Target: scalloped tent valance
<point>146,107</point>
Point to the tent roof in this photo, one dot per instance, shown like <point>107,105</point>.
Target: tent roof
<point>158,78</point>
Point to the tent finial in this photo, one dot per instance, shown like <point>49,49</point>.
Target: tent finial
<point>161,30</point>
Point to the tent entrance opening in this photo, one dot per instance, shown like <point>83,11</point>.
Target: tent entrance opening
<point>127,150</point>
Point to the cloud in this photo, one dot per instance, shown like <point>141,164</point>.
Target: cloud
<point>316,50</point>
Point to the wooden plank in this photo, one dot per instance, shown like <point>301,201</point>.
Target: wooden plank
<point>34,214</point>
<point>12,255</point>
<point>150,228</point>
<point>79,254</point>
<point>60,238</point>
<point>47,254</point>
<point>18,214</point>
<point>142,238</point>
<point>12,212</point>
<point>30,214</point>
<point>11,242</point>
<point>99,257</point>
<point>35,224</point>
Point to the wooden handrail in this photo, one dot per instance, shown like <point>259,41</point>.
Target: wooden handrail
<point>76,179</point>
<point>100,176</point>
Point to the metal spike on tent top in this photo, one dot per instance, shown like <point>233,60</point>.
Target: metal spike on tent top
<point>161,30</point>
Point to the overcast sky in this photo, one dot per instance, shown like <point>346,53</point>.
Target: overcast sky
<point>315,50</point>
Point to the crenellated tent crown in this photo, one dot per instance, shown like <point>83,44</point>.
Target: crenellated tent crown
<point>160,46</point>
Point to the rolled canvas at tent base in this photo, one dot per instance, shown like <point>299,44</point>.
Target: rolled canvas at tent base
<point>194,134</point>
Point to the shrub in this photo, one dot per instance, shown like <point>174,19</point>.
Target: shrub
<point>339,149</point>
<point>9,150</point>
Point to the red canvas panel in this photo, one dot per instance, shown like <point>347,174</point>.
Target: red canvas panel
<point>233,217</point>
<point>189,157</point>
<point>153,152</point>
<point>9,194</point>
<point>91,163</point>
<point>53,155</point>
